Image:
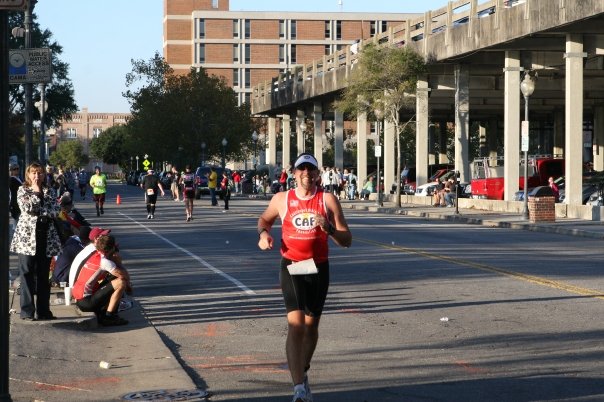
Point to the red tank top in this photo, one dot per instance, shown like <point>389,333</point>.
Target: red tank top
<point>301,237</point>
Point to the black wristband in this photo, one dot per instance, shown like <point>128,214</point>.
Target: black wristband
<point>261,230</point>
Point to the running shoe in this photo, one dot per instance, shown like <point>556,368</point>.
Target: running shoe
<point>301,396</point>
<point>149,216</point>
<point>188,219</point>
<point>152,216</point>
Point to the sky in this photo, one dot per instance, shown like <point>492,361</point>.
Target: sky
<point>101,37</point>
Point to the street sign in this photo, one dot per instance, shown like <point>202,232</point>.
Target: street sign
<point>29,66</point>
<point>378,151</point>
<point>13,4</point>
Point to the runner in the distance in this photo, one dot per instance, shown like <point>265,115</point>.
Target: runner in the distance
<point>98,182</point>
<point>151,185</point>
<point>187,183</point>
<point>309,216</point>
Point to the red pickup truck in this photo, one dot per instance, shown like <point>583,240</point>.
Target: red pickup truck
<point>488,181</point>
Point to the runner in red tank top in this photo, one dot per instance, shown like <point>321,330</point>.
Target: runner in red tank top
<point>309,216</point>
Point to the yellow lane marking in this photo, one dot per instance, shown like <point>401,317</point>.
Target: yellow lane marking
<point>488,268</point>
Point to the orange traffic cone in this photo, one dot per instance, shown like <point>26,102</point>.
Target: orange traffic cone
<point>118,200</point>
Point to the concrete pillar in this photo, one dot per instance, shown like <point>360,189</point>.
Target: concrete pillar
<point>318,134</point>
<point>361,170</point>
<point>511,124</point>
<point>559,131</point>
<point>462,121</point>
<point>598,147</point>
<point>338,142</point>
<point>389,155</point>
<point>431,144</point>
<point>442,142</point>
<point>287,132</point>
<point>421,143</point>
<point>299,133</point>
<point>573,150</point>
<point>271,152</point>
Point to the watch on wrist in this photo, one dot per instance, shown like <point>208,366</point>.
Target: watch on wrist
<point>261,230</point>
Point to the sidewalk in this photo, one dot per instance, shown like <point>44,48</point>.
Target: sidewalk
<point>564,226</point>
<point>59,360</point>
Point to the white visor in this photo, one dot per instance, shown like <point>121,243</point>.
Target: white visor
<point>306,158</point>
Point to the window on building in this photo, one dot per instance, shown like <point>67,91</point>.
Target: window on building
<point>235,28</point>
<point>214,3</point>
<point>235,53</point>
<point>248,78</point>
<point>201,28</point>
<point>248,29</point>
<point>96,132</point>
<point>338,30</point>
<point>327,50</point>
<point>372,30</point>
<point>71,133</point>
<point>247,56</point>
<point>235,77</point>
<point>293,57</point>
<point>293,27</point>
<point>201,53</point>
<point>327,29</point>
<point>281,29</point>
<point>247,98</point>
<point>384,26</point>
<point>281,53</point>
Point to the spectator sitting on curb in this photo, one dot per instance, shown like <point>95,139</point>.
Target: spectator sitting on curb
<point>450,193</point>
<point>100,284</point>
<point>86,252</point>
<point>71,249</point>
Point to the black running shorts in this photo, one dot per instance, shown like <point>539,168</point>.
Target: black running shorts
<point>151,198</point>
<point>98,300</point>
<point>305,292</point>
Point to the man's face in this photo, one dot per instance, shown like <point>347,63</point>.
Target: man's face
<point>306,175</point>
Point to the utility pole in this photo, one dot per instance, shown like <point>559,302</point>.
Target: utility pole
<point>29,111</point>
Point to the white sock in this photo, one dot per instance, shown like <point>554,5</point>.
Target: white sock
<point>298,387</point>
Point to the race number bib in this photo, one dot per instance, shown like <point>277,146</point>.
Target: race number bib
<point>150,191</point>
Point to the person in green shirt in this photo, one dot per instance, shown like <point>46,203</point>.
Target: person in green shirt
<point>212,182</point>
<point>98,182</point>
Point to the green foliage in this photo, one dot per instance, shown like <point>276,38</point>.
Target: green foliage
<point>173,114</point>
<point>383,78</point>
<point>111,146</point>
<point>69,154</point>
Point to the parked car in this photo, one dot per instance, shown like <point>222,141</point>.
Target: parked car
<point>201,181</point>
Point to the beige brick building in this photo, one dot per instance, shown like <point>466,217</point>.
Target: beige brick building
<point>248,47</point>
<point>84,126</point>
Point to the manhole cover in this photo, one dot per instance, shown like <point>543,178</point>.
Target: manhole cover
<point>167,395</point>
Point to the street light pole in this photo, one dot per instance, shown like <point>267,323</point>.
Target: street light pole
<point>224,144</point>
<point>303,128</point>
<point>255,139</point>
<point>527,87</point>
<point>42,106</point>
<point>131,158</point>
<point>29,112</point>
<point>203,153</point>
<point>379,115</point>
<point>137,162</point>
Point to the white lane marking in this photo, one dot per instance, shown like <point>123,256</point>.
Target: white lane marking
<point>203,262</point>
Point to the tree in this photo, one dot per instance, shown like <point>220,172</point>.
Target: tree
<point>381,84</point>
<point>69,155</point>
<point>173,114</point>
<point>112,146</point>
<point>59,93</point>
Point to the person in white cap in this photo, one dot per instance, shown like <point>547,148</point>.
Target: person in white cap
<point>151,185</point>
<point>309,217</point>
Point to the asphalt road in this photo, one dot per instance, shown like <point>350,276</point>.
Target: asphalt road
<point>417,310</point>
